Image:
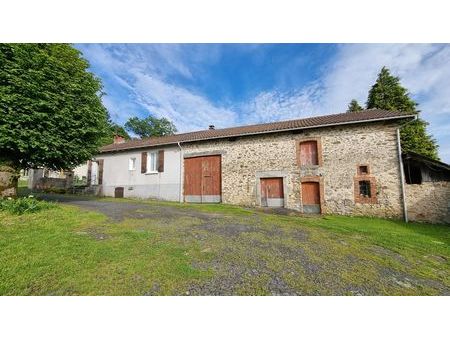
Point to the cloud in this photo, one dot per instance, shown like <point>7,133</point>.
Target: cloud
<point>186,109</point>
<point>423,69</point>
<point>146,72</point>
<point>157,78</point>
<point>276,105</point>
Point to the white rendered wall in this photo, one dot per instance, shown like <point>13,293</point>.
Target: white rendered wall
<point>164,185</point>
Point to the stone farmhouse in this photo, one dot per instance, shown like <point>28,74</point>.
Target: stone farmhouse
<point>348,164</point>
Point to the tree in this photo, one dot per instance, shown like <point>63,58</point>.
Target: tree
<point>150,126</point>
<point>51,113</point>
<point>387,93</point>
<point>414,138</point>
<point>114,129</point>
<point>354,106</point>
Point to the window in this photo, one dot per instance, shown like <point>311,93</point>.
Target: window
<point>413,175</point>
<point>363,170</point>
<point>308,153</point>
<point>364,189</point>
<point>152,162</point>
<point>132,163</point>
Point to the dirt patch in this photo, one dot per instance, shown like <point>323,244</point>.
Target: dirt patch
<point>228,229</point>
<point>386,252</point>
<point>94,233</point>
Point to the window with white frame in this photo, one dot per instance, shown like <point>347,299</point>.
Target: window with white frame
<point>152,162</point>
<point>132,163</point>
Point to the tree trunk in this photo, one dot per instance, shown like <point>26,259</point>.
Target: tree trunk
<point>9,179</point>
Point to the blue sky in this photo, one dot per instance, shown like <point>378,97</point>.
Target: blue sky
<point>196,85</point>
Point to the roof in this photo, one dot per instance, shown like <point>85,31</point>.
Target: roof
<point>425,159</point>
<point>364,116</point>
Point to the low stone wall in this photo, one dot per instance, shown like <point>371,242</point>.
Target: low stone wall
<point>48,183</point>
<point>429,202</point>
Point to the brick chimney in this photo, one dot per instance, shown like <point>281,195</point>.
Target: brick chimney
<point>118,139</point>
<point>212,127</point>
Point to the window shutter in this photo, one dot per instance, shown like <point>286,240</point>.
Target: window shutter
<point>143,162</point>
<point>304,153</point>
<point>89,172</point>
<point>161,161</point>
<point>314,157</point>
<point>100,172</point>
<point>308,153</point>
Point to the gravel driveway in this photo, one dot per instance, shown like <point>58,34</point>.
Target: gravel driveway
<point>251,253</point>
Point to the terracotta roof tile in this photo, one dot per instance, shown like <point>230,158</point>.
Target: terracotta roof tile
<point>363,116</point>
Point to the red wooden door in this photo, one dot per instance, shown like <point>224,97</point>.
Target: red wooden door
<point>308,153</point>
<point>202,179</point>
<point>193,179</point>
<point>311,197</point>
<point>272,194</point>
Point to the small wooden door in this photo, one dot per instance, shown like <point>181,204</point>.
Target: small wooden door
<point>118,192</point>
<point>202,179</point>
<point>272,194</point>
<point>311,197</point>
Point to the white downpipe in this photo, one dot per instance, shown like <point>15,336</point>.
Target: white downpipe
<point>181,173</point>
<point>402,177</point>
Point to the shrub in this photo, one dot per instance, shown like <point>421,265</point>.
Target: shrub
<point>55,190</point>
<point>19,206</point>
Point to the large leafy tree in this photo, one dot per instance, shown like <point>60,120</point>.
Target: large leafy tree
<point>51,112</point>
<point>150,126</point>
<point>354,106</point>
<point>387,93</point>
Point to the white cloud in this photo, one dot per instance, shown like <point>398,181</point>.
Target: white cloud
<point>145,71</point>
<point>187,110</point>
<point>423,69</point>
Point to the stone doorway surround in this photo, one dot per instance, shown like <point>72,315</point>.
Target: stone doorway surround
<point>269,174</point>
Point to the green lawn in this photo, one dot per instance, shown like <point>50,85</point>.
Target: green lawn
<point>171,249</point>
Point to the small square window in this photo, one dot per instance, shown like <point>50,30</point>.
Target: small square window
<point>363,170</point>
<point>132,164</point>
<point>364,189</point>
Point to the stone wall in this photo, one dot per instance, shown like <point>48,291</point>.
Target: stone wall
<point>8,181</point>
<point>36,181</point>
<point>429,202</point>
<point>343,148</point>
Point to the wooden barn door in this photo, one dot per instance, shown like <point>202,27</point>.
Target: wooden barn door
<point>311,197</point>
<point>272,194</point>
<point>202,179</point>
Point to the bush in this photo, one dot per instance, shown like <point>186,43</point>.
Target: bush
<point>54,190</point>
<point>19,206</point>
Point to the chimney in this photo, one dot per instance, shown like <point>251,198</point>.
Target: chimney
<point>211,127</point>
<point>118,139</point>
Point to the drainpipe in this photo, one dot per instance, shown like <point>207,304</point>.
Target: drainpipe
<point>181,173</point>
<point>402,177</point>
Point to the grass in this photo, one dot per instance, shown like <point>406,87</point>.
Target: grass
<point>19,206</point>
<point>23,183</point>
<point>65,251</point>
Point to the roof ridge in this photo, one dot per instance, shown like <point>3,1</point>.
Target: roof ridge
<point>365,115</point>
<point>266,123</point>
